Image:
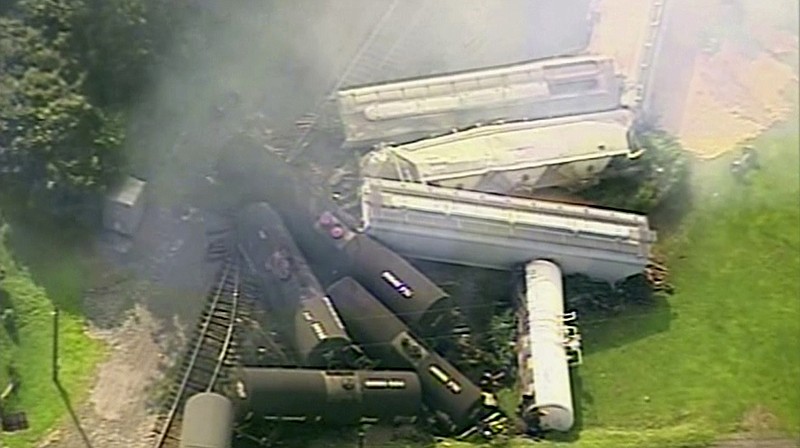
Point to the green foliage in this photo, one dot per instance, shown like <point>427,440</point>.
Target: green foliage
<point>57,151</point>
<point>500,353</point>
<point>591,296</point>
<point>32,288</point>
<point>644,183</point>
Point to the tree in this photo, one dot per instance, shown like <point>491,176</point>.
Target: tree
<point>116,43</point>
<point>661,170</point>
<point>57,151</point>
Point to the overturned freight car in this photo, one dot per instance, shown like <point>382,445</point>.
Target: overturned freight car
<point>547,347</point>
<point>291,290</point>
<point>499,232</point>
<point>329,397</point>
<point>457,403</point>
<point>329,241</point>
<point>405,110</point>
<point>504,158</point>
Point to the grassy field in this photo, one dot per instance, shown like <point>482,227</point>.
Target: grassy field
<point>43,272</point>
<point>722,355</point>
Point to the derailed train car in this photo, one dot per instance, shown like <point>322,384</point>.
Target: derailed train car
<point>207,421</point>
<point>328,397</point>
<point>547,347</point>
<point>292,292</point>
<point>456,402</point>
<point>329,240</point>
<point>504,158</point>
<point>406,110</point>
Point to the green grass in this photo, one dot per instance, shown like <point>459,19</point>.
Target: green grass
<point>732,343</point>
<point>688,370</point>
<point>44,271</point>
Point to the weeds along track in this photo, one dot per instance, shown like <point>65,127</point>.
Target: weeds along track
<point>205,365</point>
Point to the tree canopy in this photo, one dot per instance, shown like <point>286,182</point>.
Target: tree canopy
<point>70,68</point>
<point>644,183</point>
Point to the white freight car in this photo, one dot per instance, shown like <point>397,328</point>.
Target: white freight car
<point>500,232</point>
<point>405,110</point>
<point>504,158</point>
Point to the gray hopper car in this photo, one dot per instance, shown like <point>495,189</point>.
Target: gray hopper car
<point>207,422</point>
<point>330,397</point>
<point>294,295</point>
<point>406,110</point>
<point>456,401</point>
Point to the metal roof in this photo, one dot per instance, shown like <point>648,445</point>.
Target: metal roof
<point>128,192</point>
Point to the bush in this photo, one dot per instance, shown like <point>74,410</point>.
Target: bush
<point>653,176</point>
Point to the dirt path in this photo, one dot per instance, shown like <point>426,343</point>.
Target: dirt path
<point>116,414</point>
<point>723,75</point>
<point>745,441</point>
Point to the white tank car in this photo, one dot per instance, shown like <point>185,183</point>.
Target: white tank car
<point>207,422</point>
<point>544,361</point>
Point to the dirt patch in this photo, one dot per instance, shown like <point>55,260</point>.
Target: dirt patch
<point>116,413</point>
<point>747,441</point>
<point>740,83</point>
<point>122,380</point>
<point>758,420</point>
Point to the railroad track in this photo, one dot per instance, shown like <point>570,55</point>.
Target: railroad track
<point>204,366</point>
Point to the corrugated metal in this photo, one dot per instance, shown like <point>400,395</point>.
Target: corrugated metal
<point>408,109</point>
<point>494,231</point>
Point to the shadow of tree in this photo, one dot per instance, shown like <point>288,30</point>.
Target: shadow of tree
<point>54,256</point>
<point>603,332</point>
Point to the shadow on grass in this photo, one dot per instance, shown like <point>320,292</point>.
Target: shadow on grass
<point>64,263</point>
<point>604,332</point>
<point>666,218</point>
<point>53,257</point>
<point>581,398</point>
<point>72,414</point>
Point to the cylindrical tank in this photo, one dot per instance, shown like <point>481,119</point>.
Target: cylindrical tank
<point>207,422</point>
<point>293,294</point>
<point>328,239</point>
<point>412,296</point>
<point>333,397</point>
<point>456,401</point>
<point>552,394</point>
